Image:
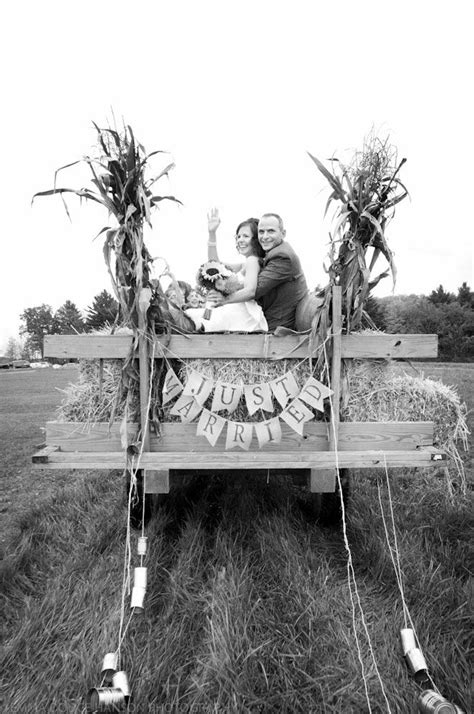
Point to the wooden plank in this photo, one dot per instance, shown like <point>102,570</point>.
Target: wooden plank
<point>353,436</point>
<point>335,366</point>
<point>42,456</point>
<point>387,436</point>
<point>424,456</point>
<point>157,480</point>
<point>88,346</point>
<point>234,345</point>
<point>381,346</point>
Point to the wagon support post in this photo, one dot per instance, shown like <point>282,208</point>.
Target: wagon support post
<point>144,371</point>
<point>324,480</point>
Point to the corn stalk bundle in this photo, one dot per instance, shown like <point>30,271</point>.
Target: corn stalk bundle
<point>364,194</point>
<point>120,185</point>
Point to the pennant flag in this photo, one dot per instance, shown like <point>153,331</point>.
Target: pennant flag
<point>210,425</point>
<point>171,387</point>
<point>268,432</point>
<point>226,396</point>
<point>258,396</point>
<point>239,434</point>
<point>314,392</point>
<point>198,386</point>
<point>285,388</point>
<point>296,414</point>
<point>186,407</point>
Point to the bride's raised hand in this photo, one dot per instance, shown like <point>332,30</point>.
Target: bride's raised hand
<point>213,220</point>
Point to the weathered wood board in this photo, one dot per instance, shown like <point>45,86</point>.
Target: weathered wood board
<point>236,459</point>
<point>234,345</point>
<point>177,437</point>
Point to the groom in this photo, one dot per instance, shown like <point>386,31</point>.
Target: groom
<point>281,283</point>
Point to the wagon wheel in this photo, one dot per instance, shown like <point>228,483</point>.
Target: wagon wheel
<point>326,507</point>
<point>136,507</point>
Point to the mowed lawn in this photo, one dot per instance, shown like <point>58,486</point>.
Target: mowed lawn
<point>248,607</point>
<point>28,398</point>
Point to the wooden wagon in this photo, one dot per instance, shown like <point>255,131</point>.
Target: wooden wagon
<point>314,457</point>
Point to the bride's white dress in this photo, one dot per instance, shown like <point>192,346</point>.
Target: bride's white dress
<point>233,317</point>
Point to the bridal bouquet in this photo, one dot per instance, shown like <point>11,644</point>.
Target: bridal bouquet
<point>215,276</point>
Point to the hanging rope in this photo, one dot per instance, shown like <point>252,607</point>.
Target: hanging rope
<point>395,557</point>
<point>351,579</point>
<point>134,488</point>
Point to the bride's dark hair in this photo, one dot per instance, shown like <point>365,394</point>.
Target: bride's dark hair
<point>253,225</point>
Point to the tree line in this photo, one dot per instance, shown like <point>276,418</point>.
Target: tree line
<point>446,314</point>
<point>41,320</point>
<point>449,315</point>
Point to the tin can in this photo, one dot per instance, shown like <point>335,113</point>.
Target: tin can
<point>415,661</point>
<point>120,681</point>
<point>104,699</point>
<point>138,596</point>
<point>408,640</point>
<point>109,665</point>
<point>142,545</point>
<point>430,702</point>
<point>140,578</point>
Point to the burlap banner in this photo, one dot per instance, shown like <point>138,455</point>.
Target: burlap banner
<point>296,415</point>
<point>314,392</point>
<point>210,425</point>
<point>226,397</point>
<point>238,434</point>
<point>171,387</point>
<point>186,407</point>
<point>285,388</point>
<point>258,396</point>
<point>268,432</point>
<point>198,386</point>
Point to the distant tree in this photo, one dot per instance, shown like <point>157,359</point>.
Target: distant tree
<point>14,349</point>
<point>416,314</point>
<point>409,314</point>
<point>440,296</point>
<point>465,296</point>
<point>68,320</point>
<point>103,311</point>
<point>374,310</point>
<point>36,322</point>
<point>456,332</point>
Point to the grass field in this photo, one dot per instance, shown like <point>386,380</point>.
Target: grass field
<point>248,607</point>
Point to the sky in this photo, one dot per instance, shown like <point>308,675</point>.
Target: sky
<point>237,93</point>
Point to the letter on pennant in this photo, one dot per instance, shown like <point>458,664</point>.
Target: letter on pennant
<point>226,396</point>
<point>171,387</point>
<point>314,392</point>
<point>285,388</point>
<point>296,414</point>
<point>239,434</point>
<point>258,396</point>
<point>198,386</point>
<point>268,432</point>
<point>210,425</point>
<point>186,407</point>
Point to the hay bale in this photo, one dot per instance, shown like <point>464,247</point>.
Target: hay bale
<point>84,401</point>
<point>377,390</point>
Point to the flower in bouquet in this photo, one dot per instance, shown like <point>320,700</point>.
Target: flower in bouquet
<point>211,272</point>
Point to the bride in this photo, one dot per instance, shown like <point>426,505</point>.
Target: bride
<point>239,311</point>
